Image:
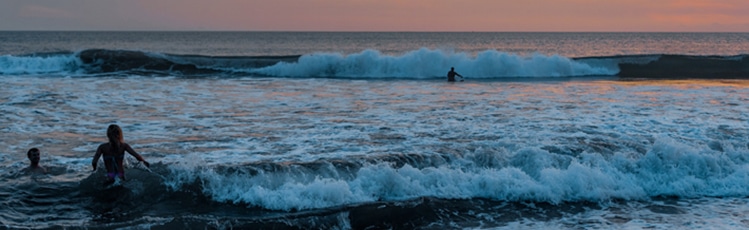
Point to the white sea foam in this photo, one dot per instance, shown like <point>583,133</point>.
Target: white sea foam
<point>291,144</point>
<point>428,63</point>
<point>10,64</point>
<point>604,154</point>
<point>669,169</point>
<point>421,63</point>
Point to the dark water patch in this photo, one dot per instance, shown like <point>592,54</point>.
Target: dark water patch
<point>433,213</point>
<point>122,60</point>
<point>420,213</point>
<point>563,150</point>
<point>665,209</point>
<point>98,61</point>
<point>685,66</point>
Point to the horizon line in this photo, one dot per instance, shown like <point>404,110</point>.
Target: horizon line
<point>364,31</point>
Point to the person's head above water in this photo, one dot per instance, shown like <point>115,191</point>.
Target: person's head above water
<point>114,134</point>
<point>452,68</point>
<point>34,156</point>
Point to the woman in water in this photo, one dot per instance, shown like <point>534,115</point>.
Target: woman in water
<point>114,154</point>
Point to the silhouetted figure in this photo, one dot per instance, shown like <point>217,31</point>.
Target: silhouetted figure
<point>35,156</point>
<point>114,154</point>
<point>451,75</point>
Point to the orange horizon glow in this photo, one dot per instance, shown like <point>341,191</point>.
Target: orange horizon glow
<point>381,15</point>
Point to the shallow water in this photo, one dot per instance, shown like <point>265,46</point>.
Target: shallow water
<point>352,138</point>
<point>275,147</point>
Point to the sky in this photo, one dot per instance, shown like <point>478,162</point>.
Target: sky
<point>378,15</point>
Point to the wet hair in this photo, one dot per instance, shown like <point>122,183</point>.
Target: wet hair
<point>114,134</point>
<point>31,150</point>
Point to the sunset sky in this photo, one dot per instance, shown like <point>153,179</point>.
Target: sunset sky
<point>377,15</point>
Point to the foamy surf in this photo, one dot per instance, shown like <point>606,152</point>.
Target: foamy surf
<point>348,138</point>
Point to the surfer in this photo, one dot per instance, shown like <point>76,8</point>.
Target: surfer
<point>34,156</point>
<point>451,75</point>
<point>114,154</point>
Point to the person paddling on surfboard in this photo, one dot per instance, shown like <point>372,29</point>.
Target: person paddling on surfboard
<point>451,75</point>
<point>114,154</point>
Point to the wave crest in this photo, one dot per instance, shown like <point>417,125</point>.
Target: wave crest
<point>669,168</point>
<point>17,65</point>
<point>372,64</point>
<point>427,63</point>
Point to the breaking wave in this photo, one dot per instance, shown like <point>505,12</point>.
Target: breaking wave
<point>371,64</point>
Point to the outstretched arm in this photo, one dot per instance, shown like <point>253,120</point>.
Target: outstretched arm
<point>99,151</point>
<point>132,152</point>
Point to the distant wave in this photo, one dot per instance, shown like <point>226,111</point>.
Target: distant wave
<point>427,63</point>
<point>40,64</point>
<point>102,61</point>
<point>371,64</point>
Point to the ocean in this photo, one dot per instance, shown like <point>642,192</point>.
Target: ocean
<point>361,130</point>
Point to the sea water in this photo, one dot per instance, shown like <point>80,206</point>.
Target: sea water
<point>361,130</point>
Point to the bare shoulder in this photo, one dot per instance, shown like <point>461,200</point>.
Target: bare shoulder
<point>127,147</point>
